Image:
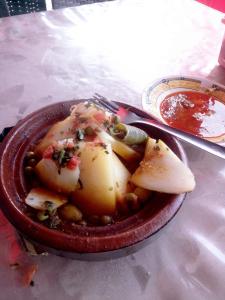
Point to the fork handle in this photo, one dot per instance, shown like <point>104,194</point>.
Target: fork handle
<point>206,145</point>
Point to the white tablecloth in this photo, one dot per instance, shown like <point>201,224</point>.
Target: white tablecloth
<point>116,49</point>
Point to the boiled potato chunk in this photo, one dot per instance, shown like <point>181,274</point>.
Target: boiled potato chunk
<point>123,150</point>
<point>64,182</point>
<point>161,170</point>
<point>121,176</point>
<point>42,199</point>
<point>59,131</point>
<point>96,195</point>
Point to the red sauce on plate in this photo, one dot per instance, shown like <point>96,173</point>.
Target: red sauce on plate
<point>197,113</point>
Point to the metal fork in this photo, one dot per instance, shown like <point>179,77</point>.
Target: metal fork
<point>130,117</point>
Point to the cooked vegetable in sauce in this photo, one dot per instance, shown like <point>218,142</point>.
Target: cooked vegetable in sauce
<point>92,170</point>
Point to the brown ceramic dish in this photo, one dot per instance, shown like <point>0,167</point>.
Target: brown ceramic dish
<point>86,242</point>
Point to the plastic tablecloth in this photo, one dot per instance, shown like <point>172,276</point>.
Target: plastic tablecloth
<point>116,49</point>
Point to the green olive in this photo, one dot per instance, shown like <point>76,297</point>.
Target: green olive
<point>132,201</point>
<point>32,162</point>
<point>30,154</point>
<point>42,215</point>
<point>106,220</point>
<point>29,170</point>
<point>71,213</point>
<point>89,130</point>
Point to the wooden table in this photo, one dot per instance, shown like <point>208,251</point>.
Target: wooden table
<point>116,49</point>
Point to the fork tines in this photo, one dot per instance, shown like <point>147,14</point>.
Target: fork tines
<point>105,103</point>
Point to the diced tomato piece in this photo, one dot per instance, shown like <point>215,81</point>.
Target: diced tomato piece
<point>70,145</point>
<point>48,152</point>
<point>122,112</point>
<point>99,116</point>
<point>73,163</point>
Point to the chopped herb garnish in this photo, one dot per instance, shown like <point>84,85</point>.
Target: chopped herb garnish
<point>115,119</point>
<point>94,158</point>
<point>80,135</point>
<point>106,123</point>
<point>103,145</point>
<point>107,152</point>
<point>55,155</point>
<point>156,148</point>
<point>54,221</point>
<point>49,206</point>
<point>110,188</point>
<point>61,156</point>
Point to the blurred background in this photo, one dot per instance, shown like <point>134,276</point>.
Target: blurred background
<point>17,7</point>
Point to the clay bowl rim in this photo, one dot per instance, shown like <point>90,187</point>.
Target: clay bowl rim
<point>99,239</point>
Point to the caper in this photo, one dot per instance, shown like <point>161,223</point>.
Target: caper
<point>32,162</point>
<point>106,220</point>
<point>42,215</point>
<point>29,170</point>
<point>132,201</point>
<point>30,154</point>
<point>71,213</point>
<point>82,223</point>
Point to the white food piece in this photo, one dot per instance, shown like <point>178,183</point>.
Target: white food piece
<point>119,147</point>
<point>121,177</point>
<point>64,182</point>
<point>97,192</point>
<point>161,170</point>
<point>40,199</point>
<point>59,131</point>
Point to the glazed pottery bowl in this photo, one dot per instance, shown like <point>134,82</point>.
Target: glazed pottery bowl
<point>89,243</point>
